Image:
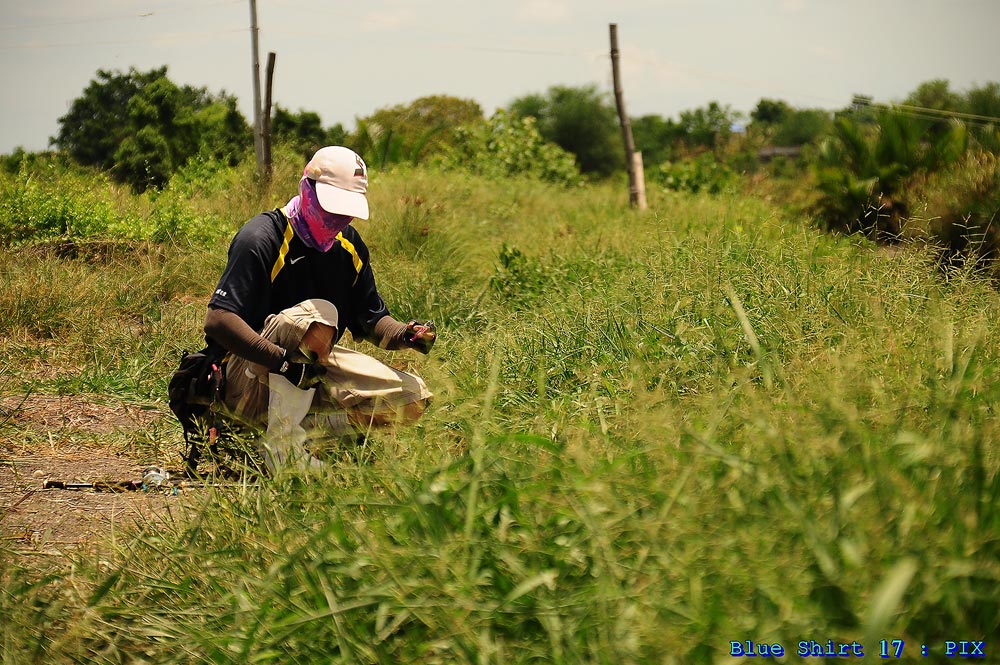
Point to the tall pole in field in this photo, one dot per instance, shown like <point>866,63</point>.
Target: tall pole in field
<point>266,120</point>
<point>258,142</point>
<point>633,159</point>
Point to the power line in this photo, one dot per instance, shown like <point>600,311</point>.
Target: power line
<point>115,42</point>
<point>111,19</point>
<point>925,113</point>
<point>391,22</point>
<point>951,114</point>
<point>670,67</point>
<point>514,51</point>
<point>756,84</point>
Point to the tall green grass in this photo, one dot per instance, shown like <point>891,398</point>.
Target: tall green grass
<point>652,434</point>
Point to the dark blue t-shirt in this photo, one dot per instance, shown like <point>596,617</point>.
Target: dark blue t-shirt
<point>343,275</point>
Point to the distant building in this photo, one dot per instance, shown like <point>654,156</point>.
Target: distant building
<point>768,153</point>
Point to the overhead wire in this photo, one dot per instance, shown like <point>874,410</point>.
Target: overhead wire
<point>671,67</point>
<point>169,37</point>
<point>172,37</point>
<point>467,47</point>
<point>950,114</point>
<point>924,113</point>
<point>121,17</point>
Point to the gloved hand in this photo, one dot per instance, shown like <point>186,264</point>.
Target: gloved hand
<point>420,335</point>
<point>301,370</point>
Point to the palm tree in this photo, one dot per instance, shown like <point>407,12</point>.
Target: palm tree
<point>864,168</point>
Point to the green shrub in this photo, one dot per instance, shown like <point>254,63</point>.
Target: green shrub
<point>703,173</point>
<point>959,210</point>
<point>52,203</point>
<point>654,434</point>
<point>511,147</point>
<point>47,200</point>
<point>520,280</point>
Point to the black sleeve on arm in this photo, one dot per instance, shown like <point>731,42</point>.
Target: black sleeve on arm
<point>238,306</point>
<point>233,333</point>
<point>369,308</point>
<point>245,285</point>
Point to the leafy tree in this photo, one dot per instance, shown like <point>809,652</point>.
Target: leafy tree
<point>304,131</point>
<point>703,173</point>
<point>94,126</point>
<point>413,131</point>
<point>802,126</point>
<point>656,137</point>
<point>985,101</point>
<point>581,121</point>
<point>143,127</point>
<point>770,112</point>
<point>707,127</point>
<point>223,131</point>
<point>530,106</point>
<point>780,124</point>
<point>935,94</point>
<point>144,159</point>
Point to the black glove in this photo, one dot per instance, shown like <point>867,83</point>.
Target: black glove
<point>301,371</point>
<point>420,335</point>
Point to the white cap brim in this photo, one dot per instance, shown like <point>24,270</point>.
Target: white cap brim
<point>342,202</point>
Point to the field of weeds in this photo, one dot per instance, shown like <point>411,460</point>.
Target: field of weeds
<point>653,435</point>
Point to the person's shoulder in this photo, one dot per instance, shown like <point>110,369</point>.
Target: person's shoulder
<point>267,226</point>
<point>351,232</point>
<point>270,221</point>
<point>352,235</point>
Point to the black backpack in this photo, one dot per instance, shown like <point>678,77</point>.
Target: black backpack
<point>195,390</point>
<point>199,384</point>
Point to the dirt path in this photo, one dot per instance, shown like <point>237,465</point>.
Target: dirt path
<point>41,521</point>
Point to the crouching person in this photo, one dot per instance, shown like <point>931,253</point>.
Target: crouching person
<point>296,279</point>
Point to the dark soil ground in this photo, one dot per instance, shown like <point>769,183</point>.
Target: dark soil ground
<point>65,445</point>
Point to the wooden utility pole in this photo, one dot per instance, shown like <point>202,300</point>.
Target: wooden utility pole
<point>633,159</point>
<point>267,113</point>
<point>258,142</point>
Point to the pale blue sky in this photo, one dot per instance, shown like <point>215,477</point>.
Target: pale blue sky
<point>345,60</point>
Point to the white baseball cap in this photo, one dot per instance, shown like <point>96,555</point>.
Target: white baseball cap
<point>341,180</point>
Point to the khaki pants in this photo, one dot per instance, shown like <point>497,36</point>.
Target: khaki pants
<point>356,387</point>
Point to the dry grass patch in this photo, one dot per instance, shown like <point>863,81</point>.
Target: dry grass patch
<point>39,521</point>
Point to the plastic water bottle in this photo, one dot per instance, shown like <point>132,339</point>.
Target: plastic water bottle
<point>154,476</point>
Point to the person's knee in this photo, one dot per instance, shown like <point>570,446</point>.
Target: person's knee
<point>291,325</point>
<point>413,410</point>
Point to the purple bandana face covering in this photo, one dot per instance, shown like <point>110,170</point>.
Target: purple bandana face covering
<point>317,227</point>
